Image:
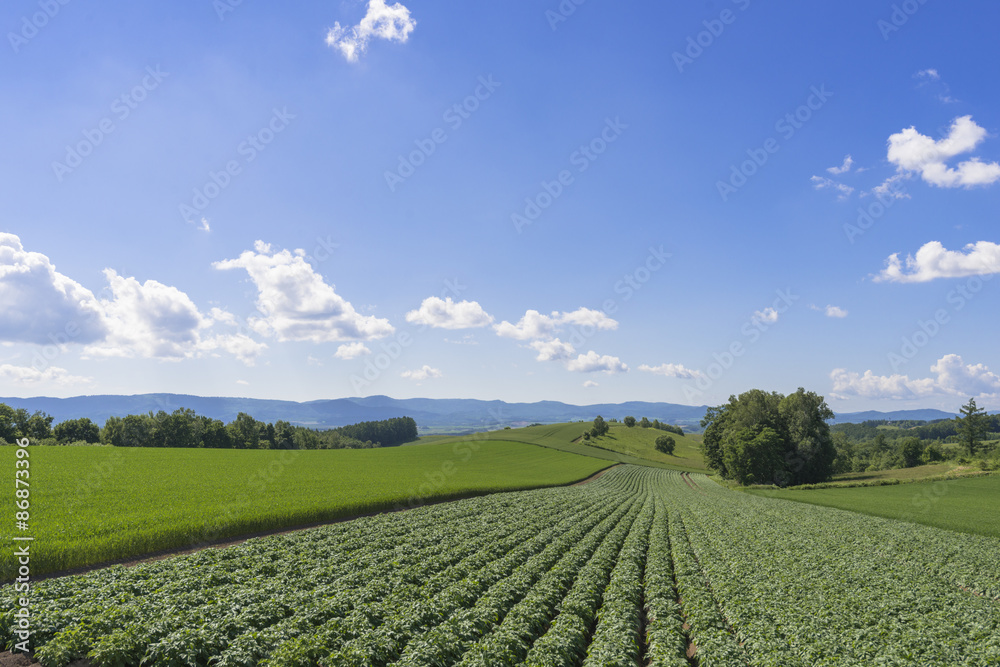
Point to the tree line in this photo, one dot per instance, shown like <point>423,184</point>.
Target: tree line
<point>184,428</point>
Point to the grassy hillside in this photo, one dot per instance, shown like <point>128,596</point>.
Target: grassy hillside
<point>96,504</point>
<point>967,505</point>
<point>625,445</point>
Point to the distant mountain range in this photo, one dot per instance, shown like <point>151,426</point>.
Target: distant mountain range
<point>433,415</point>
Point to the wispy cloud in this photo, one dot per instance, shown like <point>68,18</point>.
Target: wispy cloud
<point>382,21</point>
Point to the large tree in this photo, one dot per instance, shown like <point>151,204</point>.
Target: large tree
<point>766,438</point>
<point>972,426</point>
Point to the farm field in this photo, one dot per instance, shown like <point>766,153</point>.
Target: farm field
<point>640,567</point>
<point>99,504</point>
<point>968,505</point>
<point>622,444</point>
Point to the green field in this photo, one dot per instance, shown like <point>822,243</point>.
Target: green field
<point>967,505</point>
<point>640,567</point>
<point>98,504</point>
<point>622,444</point>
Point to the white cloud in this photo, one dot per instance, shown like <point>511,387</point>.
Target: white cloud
<point>589,383</point>
<point>843,168</point>
<point>204,225</point>
<point>352,350</point>
<point>592,362</point>
<point>931,74</point>
<point>446,314</point>
<point>769,315</point>
<point>889,188</point>
<point>148,319</point>
<point>913,152</point>
<point>313,361</point>
<point>243,382</point>
<point>296,303</point>
<point>422,373</point>
<point>40,305</point>
<point>534,325</point>
<point>391,22</point>
<point>835,311</point>
<point>672,371</point>
<point>28,376</point>
<point>821,183</point>
<point>552,350</point>
<point>933,261</point>
<point>952,377</point>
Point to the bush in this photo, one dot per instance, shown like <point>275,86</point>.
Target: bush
<point>665,444</point>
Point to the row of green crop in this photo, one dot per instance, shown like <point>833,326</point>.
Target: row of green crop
<point>636,568</point>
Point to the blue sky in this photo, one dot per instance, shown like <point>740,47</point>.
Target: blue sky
<point>540,200</point>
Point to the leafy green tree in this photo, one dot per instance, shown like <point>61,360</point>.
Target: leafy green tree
<point>244,432</point>
<point>972,426</point>
<point>645,423</point>
<point>932,453</point>
<point>629,421</point>
<point>8,423</point>
<point>911,449</point>
<point>797,448</point>
<point>76,430</point>
<point>665,444</point>
<point>753,454</point>
<point>600,427</point>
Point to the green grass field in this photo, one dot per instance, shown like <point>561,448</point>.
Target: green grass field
<point>624,445</point>
<point>967,505</point>
<point>98,504</point>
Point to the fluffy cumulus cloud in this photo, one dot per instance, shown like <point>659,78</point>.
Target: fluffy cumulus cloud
<point>593,362</point>
<point>53,375</point>
<point>382,21</point>
<point>589,383</point>
<point>915,153</point>
<point>148,320</point>
<point>552,350</point>
<point>40,305</point>
<point>534,325</point>
<point>446,314</point>
<point>295,302</point>
<point>420,374</point>
<point>831,311</point>
<point>352,350</point>
<point>542,330</point>
<point>933,261</point>
<point>952,376</point>
<point>672,371</point>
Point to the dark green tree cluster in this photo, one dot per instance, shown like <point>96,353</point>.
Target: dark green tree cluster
<point>767,438</point>
<point>19,423</point>
<point>645,423</point>
<point>599,428</point>
<point>185,428</point>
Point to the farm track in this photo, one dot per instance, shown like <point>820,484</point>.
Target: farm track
<point>641,567</point>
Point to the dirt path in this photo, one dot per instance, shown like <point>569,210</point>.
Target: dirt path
<point>595,476</point>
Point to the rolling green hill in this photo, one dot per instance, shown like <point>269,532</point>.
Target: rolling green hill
<point>625,445</point>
